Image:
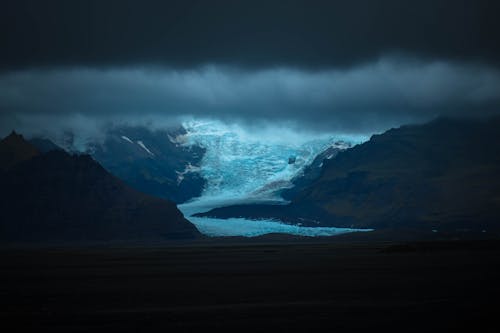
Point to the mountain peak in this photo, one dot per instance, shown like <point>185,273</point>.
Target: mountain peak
<point>14,149</point>
<point>14,136</point>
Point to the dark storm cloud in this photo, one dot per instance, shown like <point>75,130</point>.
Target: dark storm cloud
<point>352,66</point>
<point>363,99</point>
<point>251,34</point>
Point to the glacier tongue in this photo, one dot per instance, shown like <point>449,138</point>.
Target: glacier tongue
<point>242,167</point>
<point>237,166</point>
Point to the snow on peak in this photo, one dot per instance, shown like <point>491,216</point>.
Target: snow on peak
<point>127,139</point>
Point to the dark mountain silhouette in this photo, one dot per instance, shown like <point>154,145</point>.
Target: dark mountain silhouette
<point>14,149</point>
<point>44,145</point>
<point>441,175</point>
<point>58,196</point>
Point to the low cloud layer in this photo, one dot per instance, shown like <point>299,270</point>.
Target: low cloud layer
<point>364,99</point>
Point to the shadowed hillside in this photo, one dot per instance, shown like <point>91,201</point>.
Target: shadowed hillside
<point>154,162</point>
<point>58,196</point>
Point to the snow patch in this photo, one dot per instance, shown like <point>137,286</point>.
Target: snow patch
<point>179,140</point>
<point>140,143</point>
<point>127,139</point>
<point>189,168</point>
<point>329,157</point>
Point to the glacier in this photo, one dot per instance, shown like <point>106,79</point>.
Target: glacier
<point>251,167</point>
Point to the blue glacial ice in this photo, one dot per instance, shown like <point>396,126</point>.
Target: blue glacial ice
<point>242,167</point>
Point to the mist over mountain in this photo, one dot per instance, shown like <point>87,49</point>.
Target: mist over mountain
<point>157,162</point>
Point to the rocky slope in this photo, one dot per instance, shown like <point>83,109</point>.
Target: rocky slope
<point>154,162</point>
<point>313,171</point>
<point>63,197</point>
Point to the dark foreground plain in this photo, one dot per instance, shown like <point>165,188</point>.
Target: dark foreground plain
<point>256,286</point>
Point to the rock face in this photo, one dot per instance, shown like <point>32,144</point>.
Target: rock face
<point>441,175</point>
<point>154,162</point>
<point>62,197</point>
<point>313,170</point>
<point>438,175</point>
<point>44,145</point>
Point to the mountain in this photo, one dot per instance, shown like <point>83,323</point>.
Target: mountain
<point>44,145</point>
<point>14,149</point>
<point>56,196</point>
<point>440,175</point>
<point>159,162</point>
<point>313,171</point>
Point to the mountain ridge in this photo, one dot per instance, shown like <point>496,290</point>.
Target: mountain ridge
<point>153,161</point>
<point>14,149</point>
<point>58,196</point>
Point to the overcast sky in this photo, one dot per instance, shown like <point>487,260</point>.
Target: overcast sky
<point>351,66</point>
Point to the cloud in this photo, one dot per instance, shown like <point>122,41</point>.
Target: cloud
<point>251,34</point>
<point>364,99</point>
